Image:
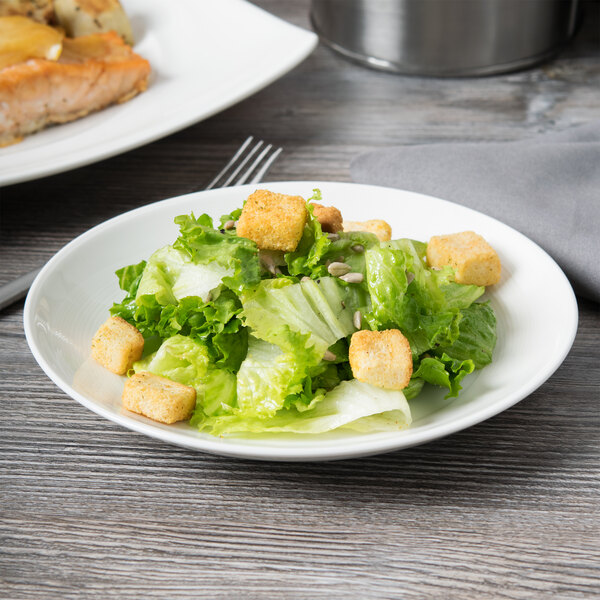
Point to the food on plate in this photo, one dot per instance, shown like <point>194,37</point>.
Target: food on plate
<point>22,38</point>
<point>159,398</point>
<point>329,217</point>
<point>379,227</point>
<point>41,11</point>
<point>75,17</point>
<point>474,261</point>
<point>273,221</point>
<point>92,72</point>
<point>279,326</point>
<point>381,358</point>
<point>117,345</point>
<point>83,17</point>
<point>46,78</point>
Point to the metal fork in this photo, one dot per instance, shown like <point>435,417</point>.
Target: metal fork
<point>235,172</point>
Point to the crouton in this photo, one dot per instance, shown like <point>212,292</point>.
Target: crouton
<point>380,228</point>
<point>158,398</point>
<point>329,217</point>
<point>381,358</point>
<point>117,345</point>
<point>273,221</point>
<point>474,261</point>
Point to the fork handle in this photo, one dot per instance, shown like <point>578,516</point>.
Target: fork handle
<point>16,289</point>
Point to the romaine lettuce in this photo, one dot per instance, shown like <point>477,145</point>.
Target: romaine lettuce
<point>187,361</point>
<point>352,405</point>
<point>323,309</point>
<point>206,245</point>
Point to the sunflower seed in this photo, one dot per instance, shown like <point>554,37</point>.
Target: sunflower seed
<point>358,248</point>
<point>305,279</point>
<point>357,319</point>
<point>339,268</point>
<point>353,278</point>
<point>334,237</point>
<point>268,263</point>
<point>329,355</point>
<point>229,225</point>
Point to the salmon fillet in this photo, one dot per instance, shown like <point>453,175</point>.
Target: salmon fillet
<point>92,72</point>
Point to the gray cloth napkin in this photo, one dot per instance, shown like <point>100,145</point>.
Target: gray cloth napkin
<point>547,188</point>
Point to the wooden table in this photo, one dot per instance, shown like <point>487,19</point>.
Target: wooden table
<point>506,509</point>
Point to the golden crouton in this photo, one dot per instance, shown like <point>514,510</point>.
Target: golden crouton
<point>474,261</point>
<point>380,228</point>
<point>329,217</point>
<point>158,398</point>
<point>273,221</point>
<point>381,358</point>
<point>117,345</point>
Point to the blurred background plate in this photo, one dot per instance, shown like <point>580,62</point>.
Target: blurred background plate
<point>205,56</point>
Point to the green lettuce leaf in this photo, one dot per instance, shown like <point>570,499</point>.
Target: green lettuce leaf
<point>323,309</point>
<point>206,245</point>
<point>215,323</point>
<point>187,361</point>
<point>476,338</point>
<point>387,283</point>
<point>314,243</point>
<point>352,405</point>
<point>269,375</point>
<point>444,371</point>
<point>171,275</point>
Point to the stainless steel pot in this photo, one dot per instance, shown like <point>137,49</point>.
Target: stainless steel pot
<point>445,37</point>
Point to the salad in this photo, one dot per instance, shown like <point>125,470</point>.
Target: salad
<point>274,324</point>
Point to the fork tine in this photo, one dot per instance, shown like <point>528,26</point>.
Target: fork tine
<point>263,170</point>
<point>239,162</point>
<point>250,154</point>
<point>233,160</point>
<point>253,166</point>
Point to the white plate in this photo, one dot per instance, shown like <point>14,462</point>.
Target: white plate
<point>205,54</point>
<point>534,304</point>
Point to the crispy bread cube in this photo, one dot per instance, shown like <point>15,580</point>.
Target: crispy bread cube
<point>117,345</point>
<point>329,217</point>
<point>474,261</point>
<point>273,221</point>
<point>158,398</point>
<point>380,228</point>
<point>381,358</point>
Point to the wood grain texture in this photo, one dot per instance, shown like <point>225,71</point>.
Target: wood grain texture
<point>508,509</point>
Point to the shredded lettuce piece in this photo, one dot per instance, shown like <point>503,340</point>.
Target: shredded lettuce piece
<point>269,375</point>
<point>206,245</point>
<point>322,308</point>
<point>187,361</point>
<point>171,275</point>
<point>352,405</point>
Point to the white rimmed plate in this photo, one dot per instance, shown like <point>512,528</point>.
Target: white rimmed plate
<point>71,296</point>
<point>206,55</point>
